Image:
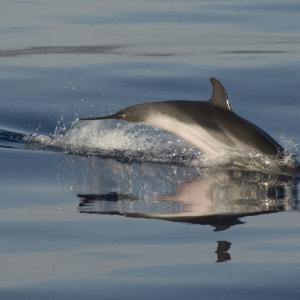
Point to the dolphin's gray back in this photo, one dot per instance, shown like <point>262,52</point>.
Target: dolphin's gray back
<point>224,125</point>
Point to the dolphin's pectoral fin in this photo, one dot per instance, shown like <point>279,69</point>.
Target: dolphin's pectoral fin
<point>219,97</point>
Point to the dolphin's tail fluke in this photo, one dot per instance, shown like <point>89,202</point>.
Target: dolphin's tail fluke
<point>113,116</point>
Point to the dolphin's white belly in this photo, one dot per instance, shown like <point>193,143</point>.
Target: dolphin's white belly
<point>195,134</point>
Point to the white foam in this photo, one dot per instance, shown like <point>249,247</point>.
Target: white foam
<point>111,138</point>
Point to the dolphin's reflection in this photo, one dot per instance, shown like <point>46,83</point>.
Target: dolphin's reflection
<point>218,197</point>
<point>222,251</point>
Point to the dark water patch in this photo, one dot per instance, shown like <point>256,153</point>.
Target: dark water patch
<point>11,139</point>
<point>254,52</point>
<point>11,136</point>
<point>152,54</point>
<point>86,49</point>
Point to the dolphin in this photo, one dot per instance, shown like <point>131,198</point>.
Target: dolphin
<point>212,125</point>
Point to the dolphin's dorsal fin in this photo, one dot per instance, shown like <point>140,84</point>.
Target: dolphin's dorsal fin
<point>219,96</point>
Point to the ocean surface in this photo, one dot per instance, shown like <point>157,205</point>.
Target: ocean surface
<point>111,210</point>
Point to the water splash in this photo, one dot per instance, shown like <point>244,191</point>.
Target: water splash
<point>117,139</point>
<point>292,149</point>
<point>129,142</point>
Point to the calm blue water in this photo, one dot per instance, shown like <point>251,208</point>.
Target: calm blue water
<point>108,210</point>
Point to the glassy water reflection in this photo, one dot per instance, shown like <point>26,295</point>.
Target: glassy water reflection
<point>217,197</point>
<point>220,197</point>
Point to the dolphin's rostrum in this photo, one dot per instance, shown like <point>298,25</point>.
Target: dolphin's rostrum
<point>210,125</point>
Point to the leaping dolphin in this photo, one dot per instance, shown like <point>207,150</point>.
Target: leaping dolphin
<point>209,125</point>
